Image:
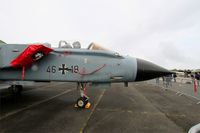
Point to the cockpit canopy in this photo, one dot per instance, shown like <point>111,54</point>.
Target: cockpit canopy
<point>95,46</point>
<point>77,45</point>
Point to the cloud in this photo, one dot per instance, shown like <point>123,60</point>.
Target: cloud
<point>165,32</point>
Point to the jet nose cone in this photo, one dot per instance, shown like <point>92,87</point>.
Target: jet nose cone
<point>147,70</point>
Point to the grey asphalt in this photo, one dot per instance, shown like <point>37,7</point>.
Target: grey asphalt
<point>141,107</point>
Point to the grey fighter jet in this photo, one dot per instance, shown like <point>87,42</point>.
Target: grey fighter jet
<point>94,65</point>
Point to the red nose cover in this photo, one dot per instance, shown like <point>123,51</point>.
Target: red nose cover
<point>25,59</point>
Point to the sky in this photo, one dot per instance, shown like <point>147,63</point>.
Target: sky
<point>166,32</point>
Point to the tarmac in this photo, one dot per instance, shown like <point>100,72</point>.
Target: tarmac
<point>143,107</point>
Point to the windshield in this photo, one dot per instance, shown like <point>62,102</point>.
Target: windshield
<point>94,46</point>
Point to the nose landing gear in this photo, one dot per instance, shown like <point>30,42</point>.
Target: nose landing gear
<point>83,101</point>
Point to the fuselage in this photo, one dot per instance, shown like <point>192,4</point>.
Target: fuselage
<point>73,65</point>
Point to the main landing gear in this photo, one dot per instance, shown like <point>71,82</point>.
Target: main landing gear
<point>16,89</point>
<point>83,101</point>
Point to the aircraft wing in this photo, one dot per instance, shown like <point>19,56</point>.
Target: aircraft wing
<point>31,54</point>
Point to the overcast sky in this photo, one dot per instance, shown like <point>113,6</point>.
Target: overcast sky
<point>166,32</point>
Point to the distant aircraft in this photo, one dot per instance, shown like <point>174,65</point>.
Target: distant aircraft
<point>37,62</point>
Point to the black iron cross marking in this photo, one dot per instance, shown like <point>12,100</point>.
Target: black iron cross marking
<point>63,69</point>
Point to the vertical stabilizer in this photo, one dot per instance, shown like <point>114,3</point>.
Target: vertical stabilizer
<point>2,42</point>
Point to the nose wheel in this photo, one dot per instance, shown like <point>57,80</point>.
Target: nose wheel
<point>83,101</point>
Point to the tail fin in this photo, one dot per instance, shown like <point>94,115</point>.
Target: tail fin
<point>1,58</point>
<point>2,42</point>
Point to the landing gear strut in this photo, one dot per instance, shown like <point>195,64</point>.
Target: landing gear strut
<point>83,101</point>
<point>16,89</point>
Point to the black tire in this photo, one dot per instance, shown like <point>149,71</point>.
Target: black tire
<point>81,102</point>
<point>16,89</point>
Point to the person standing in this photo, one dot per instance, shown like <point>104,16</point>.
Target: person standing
<point>164,81</point>
<point>198,78</point>
<point>168,81</point>
<point>157,81</point>
<point>174,77</point>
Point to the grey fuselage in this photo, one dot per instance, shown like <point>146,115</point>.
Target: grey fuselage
<point>71,65</point>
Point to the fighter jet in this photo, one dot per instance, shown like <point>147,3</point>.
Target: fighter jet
<point>94,65</point>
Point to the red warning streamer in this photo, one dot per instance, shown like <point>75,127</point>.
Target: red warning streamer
<point>195,85</point>
<point>23,72</point>
<point>25,59</point>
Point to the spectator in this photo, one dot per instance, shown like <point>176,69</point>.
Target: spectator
<point>164,81</point>
<point>192,77</point>
<point>157,81</point>
<point>197,78</point>
<point>168,80</point>
<point>174,77</point>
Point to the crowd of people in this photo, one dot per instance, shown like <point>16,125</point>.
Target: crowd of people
<point>167,80</point>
